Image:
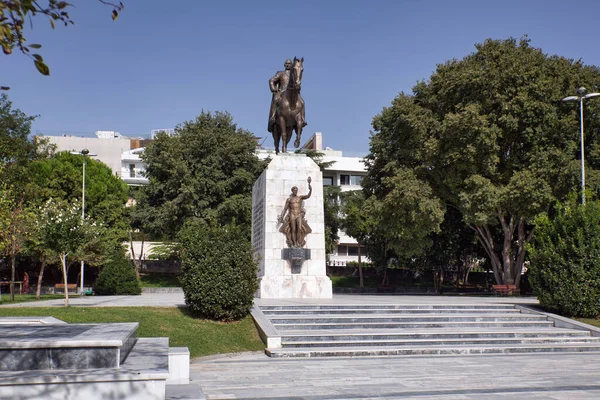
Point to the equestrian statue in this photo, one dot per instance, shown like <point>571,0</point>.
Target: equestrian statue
<point>287,106</point>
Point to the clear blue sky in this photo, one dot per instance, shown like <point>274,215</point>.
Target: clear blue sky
<point>162,61</point>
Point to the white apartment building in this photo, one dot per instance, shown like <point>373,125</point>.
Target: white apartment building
<point>132,168</point>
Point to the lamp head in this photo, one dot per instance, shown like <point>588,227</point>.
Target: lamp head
<point>85,152</point>
<point>581,91</point>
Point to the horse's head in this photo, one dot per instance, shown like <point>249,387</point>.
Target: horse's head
<point>296,73</point>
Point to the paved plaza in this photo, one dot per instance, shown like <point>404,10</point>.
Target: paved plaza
<point>255,376</point>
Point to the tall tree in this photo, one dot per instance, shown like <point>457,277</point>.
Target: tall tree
<point>491,137</point>
<point>62,231</point>
<point>60,177</point>
<point>205,170</point>
<point>15,234</point>
<point>16,148</point>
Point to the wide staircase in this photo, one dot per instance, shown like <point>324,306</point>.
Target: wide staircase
<point>383,330</point>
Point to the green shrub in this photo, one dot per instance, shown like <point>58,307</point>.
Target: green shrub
<point>117,276</point>
<point>218,271</point>
<point>565,260</point>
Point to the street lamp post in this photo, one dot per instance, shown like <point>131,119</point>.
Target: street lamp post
<point>581,95</point>
<point>84,153</point>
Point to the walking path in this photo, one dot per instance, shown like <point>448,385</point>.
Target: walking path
<point>553,376</point>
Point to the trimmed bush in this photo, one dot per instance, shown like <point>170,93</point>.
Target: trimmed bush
<point>218,271</point>
<point>565,260</point>
<point>117,276</point>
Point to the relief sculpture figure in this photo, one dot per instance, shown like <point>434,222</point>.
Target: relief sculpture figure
<point>294,225</point>
<point>287,112</point>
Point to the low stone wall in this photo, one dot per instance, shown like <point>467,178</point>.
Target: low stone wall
<point>161,266</point>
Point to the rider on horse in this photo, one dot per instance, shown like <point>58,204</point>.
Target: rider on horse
<point>278,84</point>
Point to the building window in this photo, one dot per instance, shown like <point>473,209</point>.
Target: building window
<point>132,170</point>
<point>352,251</point>
<point>342,250</point>
<point>327,180</point>
<point>344,179</point>
<point>355,179</point>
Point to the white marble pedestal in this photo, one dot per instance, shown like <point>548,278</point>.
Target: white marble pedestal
<point>269,194</point>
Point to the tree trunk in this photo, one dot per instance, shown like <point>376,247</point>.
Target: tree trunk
<point>361,282</point>
<point>13,257</point>
<point>136,263</point>
<point>438,279</point>
<point>38,290</point>
<point>485,238</point>
<point>507,270</point>
<point>63,259</point>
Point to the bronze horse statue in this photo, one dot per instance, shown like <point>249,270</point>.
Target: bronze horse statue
<point>290,110</point>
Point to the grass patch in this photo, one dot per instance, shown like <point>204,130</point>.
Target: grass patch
<point>5,298</point>
<point>154,280</point>
<point>589,321</point>
<point>203,337</point>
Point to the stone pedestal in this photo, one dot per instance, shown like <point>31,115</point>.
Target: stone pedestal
<point>269,194</point>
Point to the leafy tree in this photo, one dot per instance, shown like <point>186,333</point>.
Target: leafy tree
<point>14,235</point>
<point>331,214</point>
<point>60,177</point>
<point>16,149</point>
<point>565,259</point>
<point>63,232</point>
<point>362,219</point>
<point>452,250</point>
<point>16,14</point>
<point>218,270</point>
<point>488,135</point>
<point>205,170</point>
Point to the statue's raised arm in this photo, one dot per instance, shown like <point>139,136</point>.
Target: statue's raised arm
<point>307,196</point>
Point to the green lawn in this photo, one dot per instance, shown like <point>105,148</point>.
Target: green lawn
<point>5,298</point>
<point>155,280</point>
<point>589,321</point>
<point>201,336</point>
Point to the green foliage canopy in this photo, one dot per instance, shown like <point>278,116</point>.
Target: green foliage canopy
<point>60,177</point>
<point>488,135</point>
<point>218,270</point>
<point>565,259</point>
<point>205,170</point>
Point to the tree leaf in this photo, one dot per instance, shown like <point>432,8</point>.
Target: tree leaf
<point>38,57</point>
<point>35,46</point>
<point>115,15</point>
<point>52,24</point>
<point>42,67</point>
<point>4,88</point>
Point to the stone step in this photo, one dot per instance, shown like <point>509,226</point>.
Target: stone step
<point>332,336</point>
<point>60,346</point>
<point>441,342</point>
<point>392,307</point>
<point>413,325</point>
<point>184,392</point>
<point>366,318</point>
<point>390,311</point>
<point>431,350</point>
<point>141,376</point>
